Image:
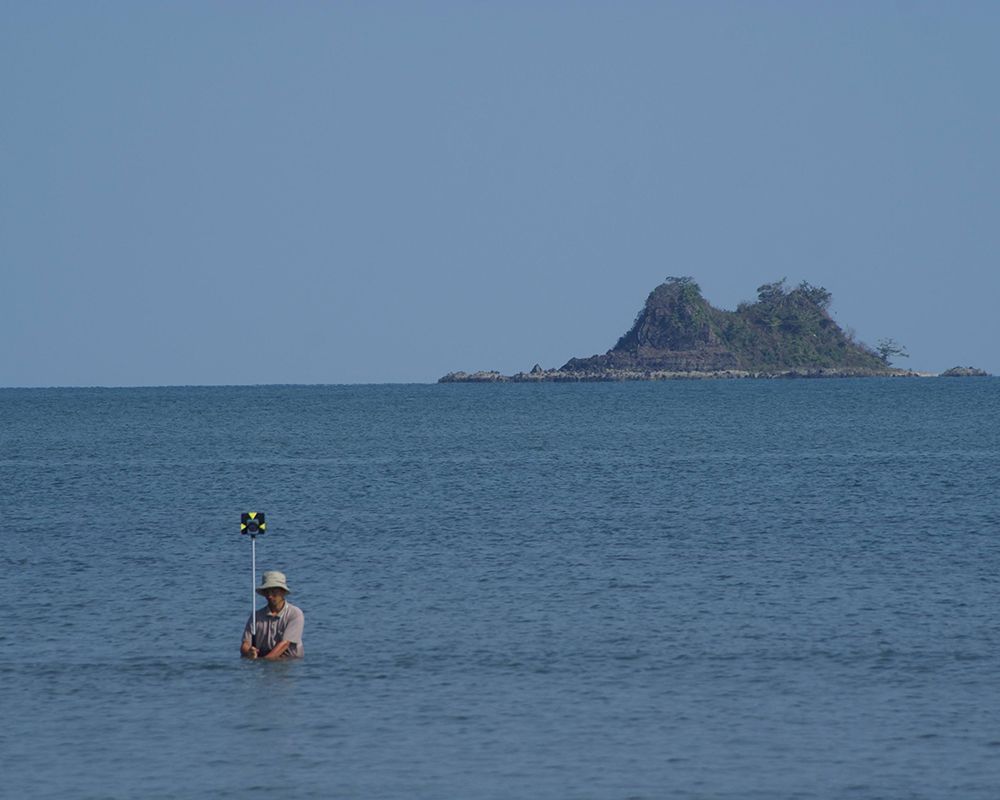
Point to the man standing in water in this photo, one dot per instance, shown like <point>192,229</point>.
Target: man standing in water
<point>279,625</point>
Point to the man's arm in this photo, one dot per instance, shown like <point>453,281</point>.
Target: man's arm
<point>277,651</point>
<point>247,650</point>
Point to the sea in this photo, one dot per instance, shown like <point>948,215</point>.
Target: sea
<point>686,589</point>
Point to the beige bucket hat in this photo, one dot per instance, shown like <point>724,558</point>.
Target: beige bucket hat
<point>273,580</point>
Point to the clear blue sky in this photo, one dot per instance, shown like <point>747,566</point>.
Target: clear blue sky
<point>260,192</point>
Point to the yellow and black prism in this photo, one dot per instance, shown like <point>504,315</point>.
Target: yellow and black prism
<point>252,522</point>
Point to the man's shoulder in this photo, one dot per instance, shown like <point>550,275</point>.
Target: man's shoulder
<point>293,611</point>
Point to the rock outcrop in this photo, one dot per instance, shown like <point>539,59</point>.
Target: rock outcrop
<point>677,330</point>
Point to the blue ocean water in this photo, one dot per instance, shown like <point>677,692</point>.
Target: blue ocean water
<point>717,589</point>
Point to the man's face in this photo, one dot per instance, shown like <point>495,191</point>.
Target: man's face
<point>275,599</point>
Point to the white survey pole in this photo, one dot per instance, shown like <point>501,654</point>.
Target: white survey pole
<point>252,522</point>
<point>253,588</point>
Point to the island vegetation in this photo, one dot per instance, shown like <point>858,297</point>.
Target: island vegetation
<point>786,332</point>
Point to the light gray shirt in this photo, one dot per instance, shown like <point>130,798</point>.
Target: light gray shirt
<point>286,625</point>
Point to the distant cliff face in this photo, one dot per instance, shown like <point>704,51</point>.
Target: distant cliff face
<point>677,330</point>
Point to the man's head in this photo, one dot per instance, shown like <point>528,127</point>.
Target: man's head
<point>274,587</point>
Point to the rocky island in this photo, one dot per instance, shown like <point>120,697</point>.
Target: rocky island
<point>964,372</point>
<point>678,334</point>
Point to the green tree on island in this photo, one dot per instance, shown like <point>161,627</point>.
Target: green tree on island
<point>887,349</point>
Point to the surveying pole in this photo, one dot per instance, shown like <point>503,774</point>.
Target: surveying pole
<point>252,523</point>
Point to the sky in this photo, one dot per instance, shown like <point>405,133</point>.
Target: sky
<point>215,193</point>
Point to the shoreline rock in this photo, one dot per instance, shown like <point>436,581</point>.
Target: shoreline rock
<point>538,375</point>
